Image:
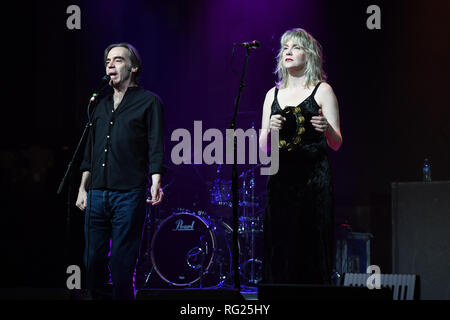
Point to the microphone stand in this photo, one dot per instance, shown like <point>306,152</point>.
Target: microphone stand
<point>75,154</point>
<point>69,169</point>
<point>234,180</point>
<point>105,80</point>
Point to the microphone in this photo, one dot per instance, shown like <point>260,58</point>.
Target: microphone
<point>103,84</point>
<point>252,45</point>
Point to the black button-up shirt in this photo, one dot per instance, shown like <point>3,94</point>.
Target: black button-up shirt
<point>127,143</point>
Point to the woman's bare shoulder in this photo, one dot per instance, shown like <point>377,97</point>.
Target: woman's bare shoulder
<point>325,89</point>
<point>325,95</point>
<point>271,93</point>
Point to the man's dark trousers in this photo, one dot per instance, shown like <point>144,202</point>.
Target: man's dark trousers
<point>113,224</point>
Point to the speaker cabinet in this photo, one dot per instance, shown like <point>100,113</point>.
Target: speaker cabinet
<point>421,235</point>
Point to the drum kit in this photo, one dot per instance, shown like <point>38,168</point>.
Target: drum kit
<point>193,249</point>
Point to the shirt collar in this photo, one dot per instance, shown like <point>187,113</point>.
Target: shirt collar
<point>130,89</point>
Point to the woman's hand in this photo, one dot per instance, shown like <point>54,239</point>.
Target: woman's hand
<point>320,123</point>
<point>277,121</point>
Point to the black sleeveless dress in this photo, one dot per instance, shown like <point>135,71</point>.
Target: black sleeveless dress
<point>298,224</point>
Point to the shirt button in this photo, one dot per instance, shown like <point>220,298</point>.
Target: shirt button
<point>111,122</point>
<point>106,150</point>
<point>112,110</point>
<point>107,137</point>
<point>103,164</point>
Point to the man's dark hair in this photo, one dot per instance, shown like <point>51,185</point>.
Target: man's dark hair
<point>135,58</point>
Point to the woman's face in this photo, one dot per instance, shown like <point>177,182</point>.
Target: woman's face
<point>294,57</point>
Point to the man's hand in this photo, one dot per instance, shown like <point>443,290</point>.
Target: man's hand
<point>82,199</point>
<point>155,190</point>
<point>157,195</point>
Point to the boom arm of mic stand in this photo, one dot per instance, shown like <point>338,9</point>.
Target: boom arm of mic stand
<point>75,154</point>
<point>69,167</point>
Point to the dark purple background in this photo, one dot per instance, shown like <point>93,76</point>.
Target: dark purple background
<point>390,84</point>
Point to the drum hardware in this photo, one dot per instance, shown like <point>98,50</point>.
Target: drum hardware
<point>200,213</point>
<point>192,256</point>
<point>255,268</point>
<point>196,251</point>
<point>206,262</point>
<point>180,260</point>
<point>249,225</point>
<point>144,267</point>
<point>147,278</point>
<point>220,191</point>
<point>204,252</point>
<point>144,258</point>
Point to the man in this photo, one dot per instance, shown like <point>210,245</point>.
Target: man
<point>124,148</point>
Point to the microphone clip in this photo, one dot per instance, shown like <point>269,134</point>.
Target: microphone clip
<point>255,44</point>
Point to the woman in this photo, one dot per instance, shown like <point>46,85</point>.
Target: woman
<point>298,225</point>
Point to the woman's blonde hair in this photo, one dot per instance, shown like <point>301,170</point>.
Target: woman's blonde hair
<point>313,68</point>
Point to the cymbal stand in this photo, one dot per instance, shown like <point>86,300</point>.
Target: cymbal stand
<point>146,259</point>
<point>248,226</point>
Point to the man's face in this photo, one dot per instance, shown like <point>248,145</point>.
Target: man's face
<point>118,66</point>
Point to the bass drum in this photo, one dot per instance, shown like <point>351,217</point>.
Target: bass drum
<point>186,245</point>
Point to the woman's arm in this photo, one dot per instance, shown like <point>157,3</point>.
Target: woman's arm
<point>264,137</point>
<point>328,119</point>
<point>269,123</point>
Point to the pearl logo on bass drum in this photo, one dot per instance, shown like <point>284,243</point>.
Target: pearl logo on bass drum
<point>180,226</point>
